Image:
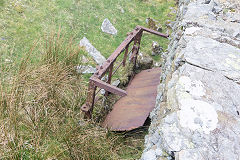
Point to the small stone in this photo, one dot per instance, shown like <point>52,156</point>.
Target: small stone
<point>154,24</point>
<point>84,59</point>
<point>145,62</point>
<point>122,10</point>
<point>81,123</point>
<point>116,83</point>
<point>85,69</point>
<point>8,60</point>
<point>97,56</point>
<point>102,91</point>
<point>107,27</point>
<point>157,64</point>
<point>156,49</point>
<point>104,78</point>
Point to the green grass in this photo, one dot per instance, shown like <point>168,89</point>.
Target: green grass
<point>22,22</point>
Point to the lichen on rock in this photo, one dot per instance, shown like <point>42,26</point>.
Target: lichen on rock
<point>197,115</point>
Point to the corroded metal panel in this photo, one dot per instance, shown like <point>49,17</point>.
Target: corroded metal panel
<point>131,111</point>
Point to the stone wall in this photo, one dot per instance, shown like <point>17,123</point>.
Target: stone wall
<point>197,113</point>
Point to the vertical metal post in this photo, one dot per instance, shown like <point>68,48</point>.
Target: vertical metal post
<point>88,107</point>
<point>125,55</point>
<point>137,42</point>
<point>109,76</point>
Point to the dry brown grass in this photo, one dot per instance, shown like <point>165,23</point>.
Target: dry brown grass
<point>40,110</point>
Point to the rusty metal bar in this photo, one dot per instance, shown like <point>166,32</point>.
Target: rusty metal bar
<point>109,76</point>
<point>88,106</point>
<point>137,40</point>
<point>116,53</point>
<point>117,68</point>
<point>134,52</point>
<point>125,56</point>
<point>136,48</point>
<point>121,47</point>
<point>153,32</point>
<point>108,87</point>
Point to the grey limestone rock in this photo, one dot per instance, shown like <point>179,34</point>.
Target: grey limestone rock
<point>96,55</point>
<point>213,55</point>
<point>85,69</point>
<point>116,83</point>
<point>197,112</point>
<point>107,27</point>
<point>144,61</point>
<point>156,49</point>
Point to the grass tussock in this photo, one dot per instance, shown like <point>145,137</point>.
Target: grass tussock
<point>40,115</point>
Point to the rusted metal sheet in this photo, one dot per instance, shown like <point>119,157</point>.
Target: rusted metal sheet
<point>131,111</point>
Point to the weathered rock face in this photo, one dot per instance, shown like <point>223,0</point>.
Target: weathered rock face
<point>197,113</point>
<point>107,27</point>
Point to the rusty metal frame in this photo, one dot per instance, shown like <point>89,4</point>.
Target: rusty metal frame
<point>95,80</point>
